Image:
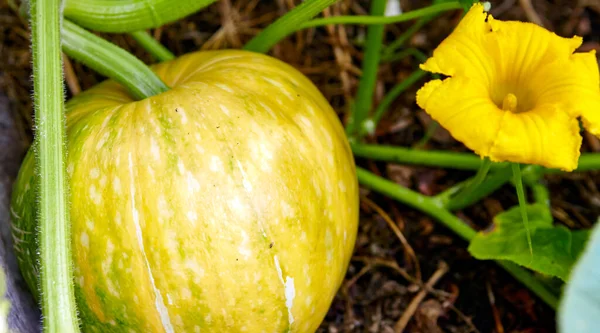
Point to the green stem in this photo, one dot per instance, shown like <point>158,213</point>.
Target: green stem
<point>433,158</point>
<point>56,275</point>
<point>369,20</point>
<point>389,50</point>
<point>541,194</point>
<point>156,49</point>
<point>516,168</point>
<point>493,182</point>
<point>434,208</point>
<point>287,24</point>
<point>111,61</point>
<point>455,160</point>
<point>428,135</point>
<point>370,65</point>
<point>423,203</point>
<point>394,93</point>
<point>471,187</point>
<point>129,15</point>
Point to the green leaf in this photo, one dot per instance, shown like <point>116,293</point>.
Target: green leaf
<point>555,248</point>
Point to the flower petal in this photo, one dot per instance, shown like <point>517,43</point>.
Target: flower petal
<point>463,52</point>
<point>464,108</point>
<point>546,136</point>
<point>575,85</point>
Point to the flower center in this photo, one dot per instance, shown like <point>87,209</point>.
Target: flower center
<point>509,103</point>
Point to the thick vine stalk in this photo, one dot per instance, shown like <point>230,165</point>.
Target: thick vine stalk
<point>129,15</point>
<point>58,300</point>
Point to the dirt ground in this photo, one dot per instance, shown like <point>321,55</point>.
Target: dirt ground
<point>382,284</point>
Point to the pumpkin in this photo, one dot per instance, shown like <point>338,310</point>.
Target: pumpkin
<point>227,204</point>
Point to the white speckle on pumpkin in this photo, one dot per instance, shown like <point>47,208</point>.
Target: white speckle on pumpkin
<point>216,165</point>
<point>330,159</point>
<point>159,303</point>
<point>112,322</point>
<point>192,183</point>
<point>102,181</point>
<point>186,293</point>
<point>163,207</point>
<point>345,235</point>
<point>94,195</point>
<point>304,121</point>
<point>169,300</point>
<point>208,318</point>
<point>154,149</point>
<point>342,186</point>
<point>70,169</point>
<point>303,236</point>
<point>290,294</point>
<point>192,216</point>
<point>268,109</point>
<point>94,173</point>
<point>329,256</point>
<point>84,239</point>
<point>102,141</point>
<point>118,219</point>
<point>181,111</point>
<point>243,248</point>
<point>199,149</point>
<point>116,184</point>
<point>290,291</point>
<point>196,329</point>
<point>89,224</point>
<point>287,210</point>
<point>308,300</point>
<point>236,205</point>
<point>198,272</point>
<point>180,167</point>
<point>136,299</point>
<point>224,109</point>
<point>224,87</point>
<point>328,238</point>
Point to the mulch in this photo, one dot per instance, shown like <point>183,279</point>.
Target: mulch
<point>382,289</point>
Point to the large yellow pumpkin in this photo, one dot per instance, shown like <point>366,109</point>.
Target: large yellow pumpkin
<point>226,204</point>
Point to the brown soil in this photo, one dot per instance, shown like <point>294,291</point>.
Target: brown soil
<point>382,285</point>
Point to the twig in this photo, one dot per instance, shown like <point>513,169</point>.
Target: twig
<point>530,12</point>
<point>398,233</point>
<point>499,326</point>
<point>414,304</point>
<point>70,76</point>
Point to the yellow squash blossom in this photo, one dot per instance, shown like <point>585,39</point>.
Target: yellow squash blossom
<point>514,91</point>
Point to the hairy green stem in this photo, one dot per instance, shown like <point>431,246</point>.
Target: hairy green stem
<point>433,158</point>
<point>455,160</point>
<point>287,24</point>
<point>111,61</point>
<point>129,15</point>
<point>56,274</point>
<point>370,65</point>
<point>156,49</point>
<point>434,208</point>
<point>368,19</point>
